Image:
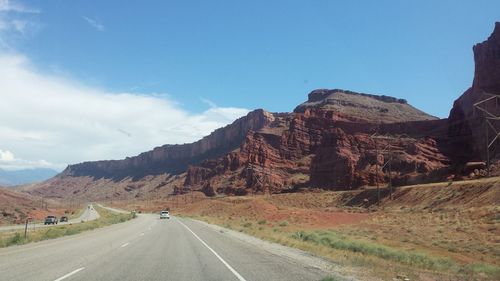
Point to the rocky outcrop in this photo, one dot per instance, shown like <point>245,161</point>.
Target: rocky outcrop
<point>362,107</point>
<point>466,125</point>
<point>336,140</point>
<point>318,150</point>
<point>349,161</point>
<point>174,159</point>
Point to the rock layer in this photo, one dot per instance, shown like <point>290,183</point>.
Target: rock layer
<point>336,140</point>
<point>466,124</point>
<point>174,159</point>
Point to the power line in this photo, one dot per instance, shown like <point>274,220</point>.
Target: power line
<point>388,149</point>
<point>490,119</point>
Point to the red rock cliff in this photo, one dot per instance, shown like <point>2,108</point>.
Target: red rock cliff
<point>466,125</point>
<point>175,158</point>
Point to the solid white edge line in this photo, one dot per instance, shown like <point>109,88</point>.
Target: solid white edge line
<point>69,274</point>
<point>215,253</point>
<point>125,245</point>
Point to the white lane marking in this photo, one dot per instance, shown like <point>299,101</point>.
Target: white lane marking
<point>215,253</point>
<point>125,245</point>
<point>69,274</point>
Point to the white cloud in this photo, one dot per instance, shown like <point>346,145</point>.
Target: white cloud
<point>6,155</point>
<point>208,102</point>
<point>15,18</point>
<point>94,23</point>
<point>63,122</point>
<point>9,162</point>
<point>14,6</point>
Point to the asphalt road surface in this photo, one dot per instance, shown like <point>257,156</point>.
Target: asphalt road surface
<point>148,248</point>
<point>88,214</point>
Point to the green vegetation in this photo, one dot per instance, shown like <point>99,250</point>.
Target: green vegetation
<point>360,252</point>
<point>107,218</point>
<point>329,279</point>
<point>340,242</point>
<point>337,241</point>
<point>72,214</point>
<point>283,223</point>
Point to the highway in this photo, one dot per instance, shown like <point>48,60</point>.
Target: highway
<point>147,248</point>
<point>87,215</point>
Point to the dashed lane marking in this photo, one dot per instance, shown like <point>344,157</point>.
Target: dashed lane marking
<point>69,274</point>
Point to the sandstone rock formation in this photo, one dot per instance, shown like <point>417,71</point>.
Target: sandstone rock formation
<point>319,149</point>
<point>362,107</point>
<point>466,125</point>
<point>173,159</point>
<point>336,140</point>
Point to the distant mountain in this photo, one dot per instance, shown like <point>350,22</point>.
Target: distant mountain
<point>25,176</point>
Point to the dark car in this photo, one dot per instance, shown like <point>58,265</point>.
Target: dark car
<point>63,219</point>
<point>50,220</point>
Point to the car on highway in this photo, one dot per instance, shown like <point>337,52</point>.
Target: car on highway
<point>64,219</point>
<point>164,215</point>
<point>50,220</point>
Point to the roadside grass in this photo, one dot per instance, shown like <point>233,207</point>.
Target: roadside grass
<point>336,241</point>
<point>106,218</point>
<point>329,279</point>
<point>384,261</point>
<point>76,214</point>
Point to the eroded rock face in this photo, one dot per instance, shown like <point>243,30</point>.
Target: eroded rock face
<point>487,63</point>
<point>315,150</point>
<point>349,161</point>
<point>360,107</point>
<point>327,142</point>
<point>466,125</point>
<point>174,159</point>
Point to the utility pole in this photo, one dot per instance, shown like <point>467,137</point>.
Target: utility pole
<point>266,176</point>
<point>376,171</point>
<point>26,227</point>
<point>491,121</point>
<point>389,150</point>
<point>390,173</point>
<point>487,150</point>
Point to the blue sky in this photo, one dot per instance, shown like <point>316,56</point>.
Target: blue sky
<point>215,60</point>
<point>265,54</point>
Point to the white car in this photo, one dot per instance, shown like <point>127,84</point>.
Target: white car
<point>164,215</point>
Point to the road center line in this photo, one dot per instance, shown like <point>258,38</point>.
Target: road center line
<point>69,274</point>
<point>125,245</point>
<point>215,253</point>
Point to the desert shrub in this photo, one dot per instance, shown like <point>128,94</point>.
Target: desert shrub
<point>14,240</point>
<point>488,269</point>
<point>329,278</point>
<point>262,222</point>
<point>283,223</point>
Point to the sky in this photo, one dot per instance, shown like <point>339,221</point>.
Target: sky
<point>91,80</point>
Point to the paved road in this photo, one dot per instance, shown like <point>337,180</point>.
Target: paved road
<point>114,210</point>
<point>147,248</point>
<point>88,214</point>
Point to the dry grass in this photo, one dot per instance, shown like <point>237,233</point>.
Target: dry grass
<point>442,232</point>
